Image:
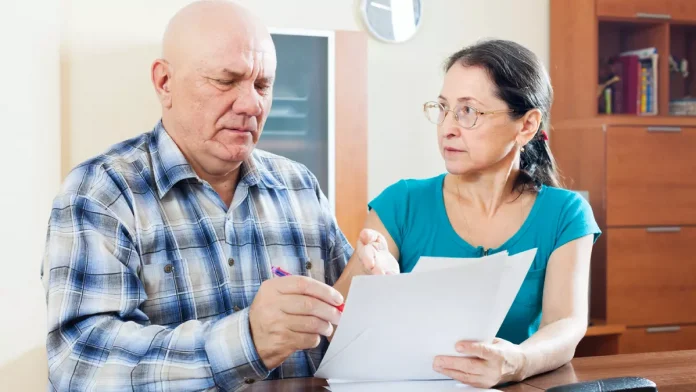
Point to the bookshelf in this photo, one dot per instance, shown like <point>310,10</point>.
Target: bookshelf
<point>636,167</point>
<point>585,34</point>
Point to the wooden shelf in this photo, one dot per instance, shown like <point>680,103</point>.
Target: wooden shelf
<point>600,339</point>
<point>605,329</point>
<point>628,119</point>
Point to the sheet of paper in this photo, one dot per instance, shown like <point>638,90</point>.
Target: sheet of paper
<point>427,263</point>
<point>394,325</point>
<point>404,386</point>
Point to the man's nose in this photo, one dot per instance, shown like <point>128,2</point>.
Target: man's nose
<point>248,102</point>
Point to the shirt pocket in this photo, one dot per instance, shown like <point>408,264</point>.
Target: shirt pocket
<point>179,290</point>
<point>314,265</point>
<point>161,305</point>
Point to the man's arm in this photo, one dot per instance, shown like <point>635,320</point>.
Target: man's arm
<point>99,338</point>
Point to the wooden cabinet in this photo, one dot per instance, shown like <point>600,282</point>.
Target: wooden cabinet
<point>648,9</point>
<point>644,198</point>
<point>637,164</point>
<point>646,181</point>
<point>651,276</point>
<point>658,338</point>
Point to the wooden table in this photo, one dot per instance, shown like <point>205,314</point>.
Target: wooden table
<point>673,371</point>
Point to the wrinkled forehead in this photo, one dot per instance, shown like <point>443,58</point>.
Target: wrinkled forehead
<point>248,55</point>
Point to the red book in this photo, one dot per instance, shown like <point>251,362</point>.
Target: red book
<point>631,84</point>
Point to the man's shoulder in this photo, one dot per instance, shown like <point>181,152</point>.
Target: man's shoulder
<point>279,169</point>
<point>102,171</point>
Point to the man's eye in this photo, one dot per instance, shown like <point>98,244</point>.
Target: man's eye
<point>226,82</point>
<point>263,88</point>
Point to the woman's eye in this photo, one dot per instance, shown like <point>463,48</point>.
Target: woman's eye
<point>467,110</point>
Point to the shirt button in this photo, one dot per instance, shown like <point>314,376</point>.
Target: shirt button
<point>249,380</point>
<point>230,261</point>
<point>308,265</point>
<point>168,268</point>
<point>236,308</point>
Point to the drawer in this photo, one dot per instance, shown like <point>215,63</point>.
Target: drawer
<point>650,176</point>
<point>664,338</point>
<point>651,276</point>
<point>648,9</point>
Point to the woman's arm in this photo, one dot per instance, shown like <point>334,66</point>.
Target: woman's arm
<point>563,324</point>
<point>370,249</point>
<point>564,309</point>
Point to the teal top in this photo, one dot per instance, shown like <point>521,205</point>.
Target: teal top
<point>413,212</point>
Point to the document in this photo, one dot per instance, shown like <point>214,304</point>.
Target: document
<point>404,386</point>
<point>393,326</point>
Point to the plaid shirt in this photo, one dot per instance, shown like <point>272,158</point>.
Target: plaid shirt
<point>149,276</point>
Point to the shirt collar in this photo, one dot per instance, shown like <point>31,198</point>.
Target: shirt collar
<point>170,166</point>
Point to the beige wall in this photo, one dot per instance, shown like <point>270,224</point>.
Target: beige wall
<point>105,96</point>
<point>29,110</point>
<point>109,97</point>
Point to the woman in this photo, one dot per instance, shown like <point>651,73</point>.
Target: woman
<point>501,192</point>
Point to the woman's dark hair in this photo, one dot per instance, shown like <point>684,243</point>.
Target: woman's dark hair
<point>523,83</point>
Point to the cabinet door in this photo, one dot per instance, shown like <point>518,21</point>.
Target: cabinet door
<point>319,116</point>
<point>298,126</point>
<point>650,276</point>
<point>650,179</point>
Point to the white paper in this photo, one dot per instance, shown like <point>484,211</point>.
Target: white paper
<point>394,325</point>
<point>427,263</point>
<point>405,386</point>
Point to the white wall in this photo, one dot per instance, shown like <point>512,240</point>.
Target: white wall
<point>101,94</point>
<point>30,131</point>
<point>109,96</point>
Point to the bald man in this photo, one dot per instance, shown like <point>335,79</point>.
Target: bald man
<point>159,256</point>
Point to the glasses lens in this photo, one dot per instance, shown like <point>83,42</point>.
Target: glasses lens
<point>467,116</point>
<point>434,112</point>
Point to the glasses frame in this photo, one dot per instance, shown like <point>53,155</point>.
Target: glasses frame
<point>479,113</point>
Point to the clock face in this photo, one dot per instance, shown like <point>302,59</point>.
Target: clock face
<point>392,20</point>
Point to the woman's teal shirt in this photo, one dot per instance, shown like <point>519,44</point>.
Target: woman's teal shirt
<point>413,212</point>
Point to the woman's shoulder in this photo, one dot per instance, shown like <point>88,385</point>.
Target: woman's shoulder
<point>561,198</point>
<point>414,187</point>
<point>573,214</point>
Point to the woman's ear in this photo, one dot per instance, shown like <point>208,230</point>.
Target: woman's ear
<point>530,125</point>
<point>161,74</point>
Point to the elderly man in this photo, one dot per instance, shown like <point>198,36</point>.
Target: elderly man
<point>159,256</point>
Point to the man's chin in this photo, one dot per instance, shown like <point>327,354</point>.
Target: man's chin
<point>230,153</point>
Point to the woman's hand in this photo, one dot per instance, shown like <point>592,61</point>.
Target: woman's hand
<point>374,255</point>
<point>486,365</point>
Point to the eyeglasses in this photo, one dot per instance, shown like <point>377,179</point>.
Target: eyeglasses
<point>466,116</point>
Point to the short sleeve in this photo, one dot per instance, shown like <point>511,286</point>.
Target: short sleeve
<point>391,207</point>
<point>576,220</point>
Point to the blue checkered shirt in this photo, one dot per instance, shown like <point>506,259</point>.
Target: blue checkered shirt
<point>149,275</point>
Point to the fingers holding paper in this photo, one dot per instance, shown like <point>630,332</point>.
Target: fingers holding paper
<point>373,252</point>
<point>484,365</point>
<point>290,314</point>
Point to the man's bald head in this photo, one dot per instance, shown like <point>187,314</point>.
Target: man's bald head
<point>203,25</point>
<point>215,83</point>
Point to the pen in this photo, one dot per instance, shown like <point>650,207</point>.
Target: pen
<point>277,271</point>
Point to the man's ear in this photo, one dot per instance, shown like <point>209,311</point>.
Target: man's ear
<point>530,125</point>
<point>161,74</point>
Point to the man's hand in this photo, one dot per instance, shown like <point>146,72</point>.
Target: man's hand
<point>289,314</point>
<point>374,254</point>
